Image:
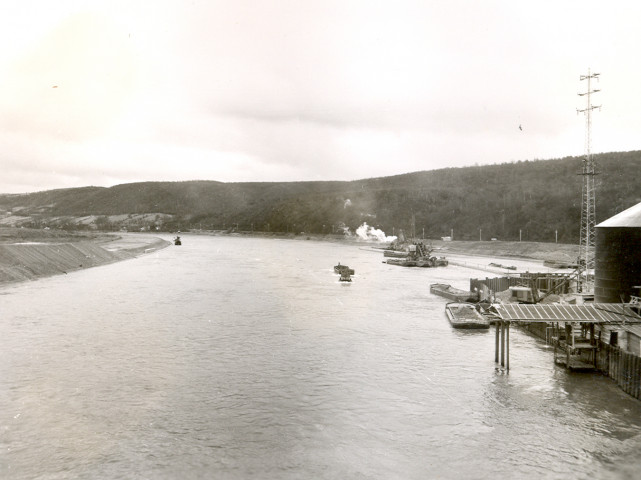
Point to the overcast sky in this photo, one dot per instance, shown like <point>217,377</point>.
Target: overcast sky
<point>109,92</point>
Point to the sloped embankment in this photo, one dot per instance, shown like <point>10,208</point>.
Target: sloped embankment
<point>561,252</point>
<point>27,261</point>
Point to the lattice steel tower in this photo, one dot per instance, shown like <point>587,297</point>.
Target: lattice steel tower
<point>588,200</point>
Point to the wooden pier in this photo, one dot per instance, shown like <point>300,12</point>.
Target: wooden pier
<point>572,329</point>
<point>574,348</point>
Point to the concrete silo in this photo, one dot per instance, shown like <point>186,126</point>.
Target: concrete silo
<point>617,267</point>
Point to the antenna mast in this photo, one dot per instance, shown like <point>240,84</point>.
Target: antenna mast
<point>588,198</point>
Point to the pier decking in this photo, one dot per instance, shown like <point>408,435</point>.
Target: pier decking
<point>616,313</point>
<point>571,341</point>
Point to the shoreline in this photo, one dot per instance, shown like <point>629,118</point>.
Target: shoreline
<point>31,254</point>
<point>30,260</point>
<point>560,252</point>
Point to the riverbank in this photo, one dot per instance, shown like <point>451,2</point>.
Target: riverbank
<point>29,255</point>
<point>558,252</point>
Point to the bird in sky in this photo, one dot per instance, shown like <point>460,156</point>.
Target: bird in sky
<point>520,128</point>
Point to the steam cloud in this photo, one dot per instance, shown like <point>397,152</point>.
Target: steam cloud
<point>371,234</point>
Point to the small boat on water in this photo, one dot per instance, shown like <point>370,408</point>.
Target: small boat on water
<point>465,315</point>
<point>177,241</point>
<point>498,265</point>
<point>345,276</point>
<point>343,268</point>
<point>455,294</point>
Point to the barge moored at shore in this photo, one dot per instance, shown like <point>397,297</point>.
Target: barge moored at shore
<point>465,315</point>
<point>455,294</point>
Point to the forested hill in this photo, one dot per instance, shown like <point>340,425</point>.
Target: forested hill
<point>534,199</point>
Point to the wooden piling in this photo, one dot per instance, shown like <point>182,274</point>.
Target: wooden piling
<point>637,376</point>
<point>502,344</point>
<point>496,348</point>
<point>624,377</point>
<point>630,372</point>
<point>626,372</point>
<point>619,366</point>
<point>507,346</point>
<point>633,374</point>
<point>613,366</point>
<point>620,352</point>
<point>634,378</point>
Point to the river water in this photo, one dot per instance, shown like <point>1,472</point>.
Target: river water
<point>245,358</point>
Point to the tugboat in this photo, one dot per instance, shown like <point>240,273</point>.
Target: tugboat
<point>177,241</point>
<point>344,271</point>
<point>343,268</point>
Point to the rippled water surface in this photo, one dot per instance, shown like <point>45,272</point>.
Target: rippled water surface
<point>243,358</point>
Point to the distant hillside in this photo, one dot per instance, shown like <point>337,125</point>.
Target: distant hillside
<point>534,199</point>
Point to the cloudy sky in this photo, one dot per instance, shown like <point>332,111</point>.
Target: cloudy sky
<point>109,92</point>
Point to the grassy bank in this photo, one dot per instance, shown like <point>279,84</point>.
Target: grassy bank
<point>560,252</point>
<point>20,235</point>
<point>30,254</point>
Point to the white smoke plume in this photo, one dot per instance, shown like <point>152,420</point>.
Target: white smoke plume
<point>365,232</point>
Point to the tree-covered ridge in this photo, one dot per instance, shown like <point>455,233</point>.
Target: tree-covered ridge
<point>535,200</point>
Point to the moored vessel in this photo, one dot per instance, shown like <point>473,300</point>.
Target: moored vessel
<point>465,315</point>
<point>455,294</point>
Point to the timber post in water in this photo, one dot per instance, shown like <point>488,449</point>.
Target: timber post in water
<point>496,347</point>
<point>504,328</point>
